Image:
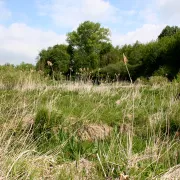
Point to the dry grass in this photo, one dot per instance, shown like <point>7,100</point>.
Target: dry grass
<point>94,132</point>
<point>82,169</point>
<point>21,159</point>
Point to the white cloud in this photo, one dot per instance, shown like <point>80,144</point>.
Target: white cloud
<point>23,43</point>
<point>159,12</point>
<point>69,13</point>
<point>149,16</point>
<point>169,11</point>
<point>4,12</point>
<point>146,33</point>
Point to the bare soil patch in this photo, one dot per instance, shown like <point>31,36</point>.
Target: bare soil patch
<point>93,131</point>
<point>172,174</point>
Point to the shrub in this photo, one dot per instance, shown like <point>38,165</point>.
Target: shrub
<point>25,67</point>
<point>142,80</point>
<point>47,124</point>
<point>177,79</point>
<point>9,81</point>
<point>162,71</point>
<point>112,70</point>
<point>158,80</point>
<point>58,76</point>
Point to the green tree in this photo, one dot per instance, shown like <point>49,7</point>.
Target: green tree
<point>58,56</point>
<point>87,42</point>
<point>108,55</point>
<point>169,31</point>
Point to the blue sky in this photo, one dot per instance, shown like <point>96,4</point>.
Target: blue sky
<point>27,26</point>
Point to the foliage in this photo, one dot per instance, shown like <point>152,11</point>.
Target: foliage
<point>163,71</point>
<point>88,37</point>
<point>25,66</point>
<point>88,41</point>
<point>177,79</point>
<point>89,47</point>
<point>144,141</point>
<point>169,31</point>
<point>143,119</point>
<point>47,124</point>
<point>12,77</point>
<point>158,80</point>
<point>8,80</point>
<point>58,56</point>
<point>114,71</point>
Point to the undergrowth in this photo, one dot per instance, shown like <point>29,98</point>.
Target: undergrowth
<point>40,121</point>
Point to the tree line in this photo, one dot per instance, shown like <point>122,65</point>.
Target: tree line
<point>89,52</point>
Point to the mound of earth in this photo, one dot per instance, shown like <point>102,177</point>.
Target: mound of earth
<point>172,174</point>
<point>93,131</point>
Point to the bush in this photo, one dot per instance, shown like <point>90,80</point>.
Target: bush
<point>112,71</point>
<point>9,81</point>
<point>158,80</point>
<point>47,124</point>
<point>58,76</point>
<point>177,79</point>
<point>142,80</point>
<point>165,71</point>
<point>25,67</point>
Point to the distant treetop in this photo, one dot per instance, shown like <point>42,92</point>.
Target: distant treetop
<point>169,31</point>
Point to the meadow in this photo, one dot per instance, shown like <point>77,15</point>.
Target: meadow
<point>74,130</point>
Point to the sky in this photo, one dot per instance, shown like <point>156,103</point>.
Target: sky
<point>28,26</point>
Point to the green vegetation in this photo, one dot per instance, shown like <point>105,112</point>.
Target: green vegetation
<point>89,47</point>
<point>61,129</point>
<point>55,124</point>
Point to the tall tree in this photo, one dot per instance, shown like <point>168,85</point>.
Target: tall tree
<point>58,56</point>
<point>169,31</point>
<point>87,42</point>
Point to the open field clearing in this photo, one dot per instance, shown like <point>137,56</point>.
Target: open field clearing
<point>90,90</point>
<point>71,130</point>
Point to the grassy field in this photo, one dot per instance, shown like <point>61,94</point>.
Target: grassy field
<point>71,130</point>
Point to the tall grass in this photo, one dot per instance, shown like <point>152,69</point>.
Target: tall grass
<point>42,122</point>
